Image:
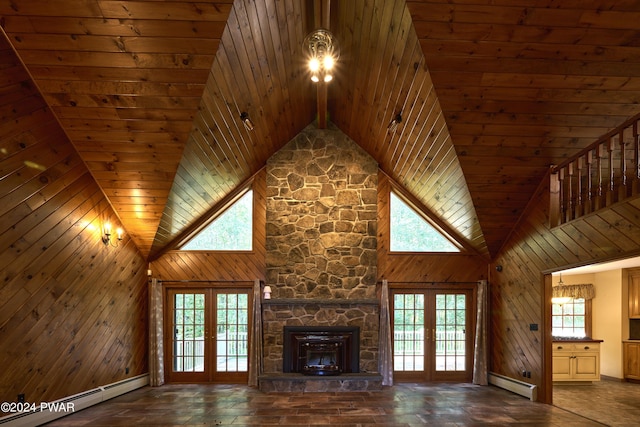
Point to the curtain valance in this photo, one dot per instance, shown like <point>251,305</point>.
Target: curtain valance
<point>586,291</point>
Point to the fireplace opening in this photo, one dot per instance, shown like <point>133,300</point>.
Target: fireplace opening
<point>321,350</point>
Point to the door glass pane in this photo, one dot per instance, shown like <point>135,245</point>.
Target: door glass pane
<point>232,337</point>
<point>408,332</point>
<point>188,326</point>
<point>450,332</point>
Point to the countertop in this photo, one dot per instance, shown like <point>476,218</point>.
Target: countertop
<point>574,339</point>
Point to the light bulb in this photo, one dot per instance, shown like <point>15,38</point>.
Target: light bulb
<point>328,62</point>
<point>328,78</point>
<point>314,64</point>
<point>315,79</point>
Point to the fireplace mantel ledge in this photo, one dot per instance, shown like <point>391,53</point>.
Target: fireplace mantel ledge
<point>320,301</point>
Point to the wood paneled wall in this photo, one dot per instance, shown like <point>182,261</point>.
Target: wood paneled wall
<point>517,292</point>
<point>463,267</point>
<point>222,266</point>
<point>73,312</point>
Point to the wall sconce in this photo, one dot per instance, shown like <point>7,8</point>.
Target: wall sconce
<point>394,123</point>
<point>248,124</point>
<point>323,54</point>
<point>106,236</point>
<point>267,292</point>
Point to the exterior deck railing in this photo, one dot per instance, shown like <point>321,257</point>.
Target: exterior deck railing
<point>606,172</point>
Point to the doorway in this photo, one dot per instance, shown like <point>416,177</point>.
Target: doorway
<point>608,321</point>
<point>432,334</point>
<point>207,335</point>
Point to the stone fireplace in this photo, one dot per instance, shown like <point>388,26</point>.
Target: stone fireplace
<point>321,246</point>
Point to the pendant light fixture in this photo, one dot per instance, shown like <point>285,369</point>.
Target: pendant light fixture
<point>323,54</point>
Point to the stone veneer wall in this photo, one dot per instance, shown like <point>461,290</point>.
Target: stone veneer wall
<point>321,241</point>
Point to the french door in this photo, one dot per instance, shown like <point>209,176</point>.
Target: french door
<point>207,335</point>
<point>432,334</point>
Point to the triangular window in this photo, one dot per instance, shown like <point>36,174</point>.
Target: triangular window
<point>232,230</point>
<point>411,232</point>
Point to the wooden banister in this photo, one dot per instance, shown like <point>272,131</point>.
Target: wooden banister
<point>605,172</point>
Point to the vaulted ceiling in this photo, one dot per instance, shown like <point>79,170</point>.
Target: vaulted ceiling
<point>491,94</point>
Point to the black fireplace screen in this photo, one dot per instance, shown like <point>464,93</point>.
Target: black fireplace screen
<point>321,350</point>
<point>322,355</point>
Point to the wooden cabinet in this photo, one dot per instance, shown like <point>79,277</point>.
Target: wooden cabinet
<point>632,360</point>
<point>576,361</point>
<point>634,293</point>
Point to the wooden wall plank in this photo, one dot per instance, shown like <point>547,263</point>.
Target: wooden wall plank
<point>66,300</point>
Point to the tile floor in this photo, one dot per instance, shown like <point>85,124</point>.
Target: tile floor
<point>615,404</point>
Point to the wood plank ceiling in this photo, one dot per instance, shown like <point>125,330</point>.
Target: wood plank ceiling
<point>491,93</point>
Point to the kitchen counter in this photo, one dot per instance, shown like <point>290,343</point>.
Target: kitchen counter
<point>574,339</point>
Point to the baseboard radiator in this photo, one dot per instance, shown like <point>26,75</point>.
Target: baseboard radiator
<point>515,386</point>
<point>50,411</point>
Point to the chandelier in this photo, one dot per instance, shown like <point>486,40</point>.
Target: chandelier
<point>323,54</point>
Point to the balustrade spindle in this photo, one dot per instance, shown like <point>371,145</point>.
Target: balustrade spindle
<point>622,191</point>
<point>570,197</point>
<point>610,195</point>
<point>579,189</point>
<point>563,203</point>
<point>589,190</point>
<point>555,200</point>
<point>599,151</point>
<point>636,158</point>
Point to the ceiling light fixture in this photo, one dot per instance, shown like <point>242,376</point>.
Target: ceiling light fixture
<point>323,55</point>
<point>394,123</point>
<point>560,298</point>
<point>106,236</point>
<point>248,124</point>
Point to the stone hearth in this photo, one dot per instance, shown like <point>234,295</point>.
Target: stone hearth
<point>295,383</point>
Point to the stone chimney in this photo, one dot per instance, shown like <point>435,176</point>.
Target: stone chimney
<point>321,241</point>
<point>321,218</point>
